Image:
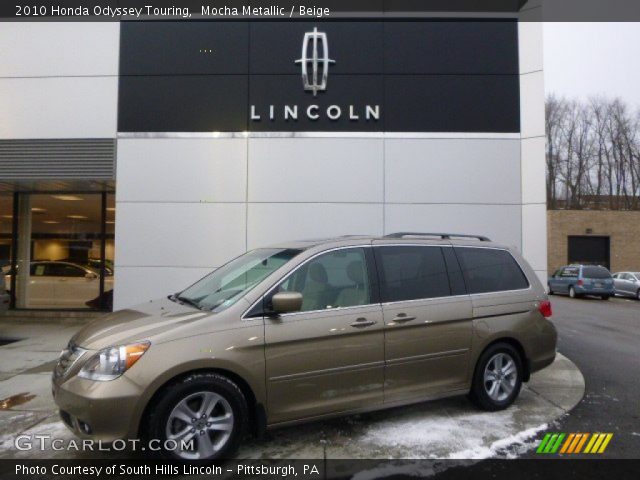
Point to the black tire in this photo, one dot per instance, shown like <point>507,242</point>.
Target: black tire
<point>572,292</point>
<point>550,291</point>
<point>638,294</point>
<point>605,297</point>
<point>190,387</point>
<point>479,394</point>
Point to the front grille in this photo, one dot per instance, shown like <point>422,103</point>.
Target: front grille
<point>68,357</point>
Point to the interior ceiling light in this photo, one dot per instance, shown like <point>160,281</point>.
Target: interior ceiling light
<point>111,209</point>
<point>77,217</point>
<point>7,216</point>
<point>67,198</point>
<point>38,209</point>
<point>50,221</point>
<point>110,222</point>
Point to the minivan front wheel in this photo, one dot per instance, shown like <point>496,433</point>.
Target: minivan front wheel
<point>201,417</point>
<point>572,292</point>
<point>497,378</point>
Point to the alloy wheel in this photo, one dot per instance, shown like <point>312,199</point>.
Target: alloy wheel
<point>201,424</point>
<point>500,376</point>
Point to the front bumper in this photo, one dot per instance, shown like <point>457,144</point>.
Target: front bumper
<point>103,411</point>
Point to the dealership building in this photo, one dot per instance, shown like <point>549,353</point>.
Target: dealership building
<point>151,152</point>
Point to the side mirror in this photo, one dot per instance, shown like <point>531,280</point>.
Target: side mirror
<point>287,302</point>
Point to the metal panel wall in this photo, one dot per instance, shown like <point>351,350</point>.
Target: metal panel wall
<point>57,159</point>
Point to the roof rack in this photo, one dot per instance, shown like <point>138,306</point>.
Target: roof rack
<point>443,236</point>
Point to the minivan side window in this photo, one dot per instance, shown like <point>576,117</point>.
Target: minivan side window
<point>411,273</point>
<point>595,272</point>
<point>490,270</point>
<point>570,272</point>
<point>335,279</point>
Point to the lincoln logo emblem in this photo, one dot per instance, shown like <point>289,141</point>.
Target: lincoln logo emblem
<point>315,53</point>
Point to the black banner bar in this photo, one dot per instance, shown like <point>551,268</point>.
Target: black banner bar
<point>320,469</point>
<point>118,10</point>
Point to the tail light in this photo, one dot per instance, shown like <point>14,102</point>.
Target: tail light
<point>545,308</point>
<point>580,282</point>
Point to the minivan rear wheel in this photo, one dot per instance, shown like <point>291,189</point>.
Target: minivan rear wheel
<point>204,415</point>
<point>497,378</point>
<point>572,292</point>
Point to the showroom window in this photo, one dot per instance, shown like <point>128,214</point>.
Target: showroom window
<point>6,228</point>
<point>65,251</point>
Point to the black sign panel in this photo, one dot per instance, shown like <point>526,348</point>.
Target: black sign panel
<point>393,75</point>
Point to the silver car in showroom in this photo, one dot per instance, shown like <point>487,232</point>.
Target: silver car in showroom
<point>627,284</point>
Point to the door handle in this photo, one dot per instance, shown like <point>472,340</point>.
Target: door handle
<point>402,317</point>
<point>363,322</point>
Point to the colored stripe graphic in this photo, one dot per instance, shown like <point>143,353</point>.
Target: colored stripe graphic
<point>551,443</point>
<point>568,442</point>
<point>556,445</point>
<point>607,439</point>
<point>543,443</point>
<point>583,439</point>
<point>592,440</point>
<point>573,443</point>
<point>599,443</point>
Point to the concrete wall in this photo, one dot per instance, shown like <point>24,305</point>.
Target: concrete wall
<point>59,79</point>
<point>186,206</point>
<point>623,228</point>
<point>534,235</point>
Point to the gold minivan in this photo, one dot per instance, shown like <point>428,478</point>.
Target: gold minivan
<point>306,330</point>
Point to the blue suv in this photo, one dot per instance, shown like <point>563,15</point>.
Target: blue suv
<point>579,280</point>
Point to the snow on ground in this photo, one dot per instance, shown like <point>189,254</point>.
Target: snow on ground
<point>444,429</point>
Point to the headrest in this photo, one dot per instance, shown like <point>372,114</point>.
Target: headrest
<point>318,273</point>
<point>355,272</point>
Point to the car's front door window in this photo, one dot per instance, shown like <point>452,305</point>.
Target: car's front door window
<point>331,280</point>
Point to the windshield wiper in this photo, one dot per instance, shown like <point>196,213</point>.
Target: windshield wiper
<point>188,301</point>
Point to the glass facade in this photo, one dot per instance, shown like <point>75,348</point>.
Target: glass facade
<point>64,249</point>
<point>6,223</point>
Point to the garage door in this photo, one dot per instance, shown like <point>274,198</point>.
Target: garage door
<point>590,250</point>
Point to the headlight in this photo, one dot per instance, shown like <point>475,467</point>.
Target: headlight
<point>110,363</point>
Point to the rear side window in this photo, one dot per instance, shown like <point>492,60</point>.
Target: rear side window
<point>595,272</point>
<point>411,273</point>
<point>490,270</point>
<point>570,272</point>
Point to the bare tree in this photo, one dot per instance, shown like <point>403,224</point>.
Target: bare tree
<point>593,154</point>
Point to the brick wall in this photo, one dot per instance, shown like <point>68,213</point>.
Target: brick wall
<point>623,228</point>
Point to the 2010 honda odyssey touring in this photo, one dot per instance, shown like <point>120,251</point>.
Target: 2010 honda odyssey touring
<point>305,330</point>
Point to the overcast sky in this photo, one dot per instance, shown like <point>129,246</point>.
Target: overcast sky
<point>583,59</point>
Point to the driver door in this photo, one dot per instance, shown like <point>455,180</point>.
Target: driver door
<point>329,357</point>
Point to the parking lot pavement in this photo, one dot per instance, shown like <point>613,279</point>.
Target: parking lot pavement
<point>450,428</point>
<point>603,339</point>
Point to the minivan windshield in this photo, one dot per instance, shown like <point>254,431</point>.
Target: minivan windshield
<point>224,286</point>
<point>595,272</point>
